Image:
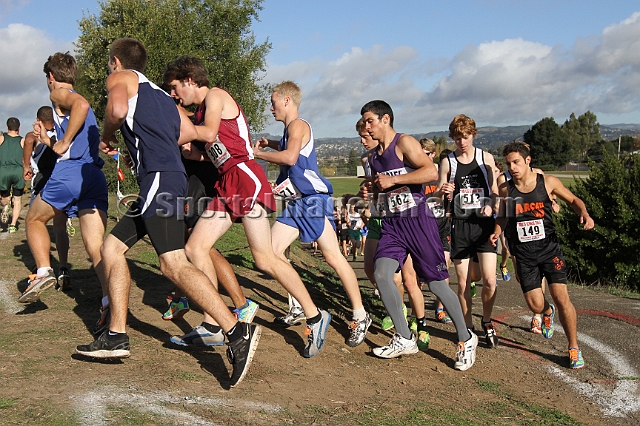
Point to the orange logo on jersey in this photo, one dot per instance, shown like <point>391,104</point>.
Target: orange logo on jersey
<point>430,189</point>
<point>536,208</point>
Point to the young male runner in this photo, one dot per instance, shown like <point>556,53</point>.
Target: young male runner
<point>243,192</point>
<point>468,176</point>
<point>11,181</point>
<point>399,169</point>
<point>309,212</point>
<point>153,127</point>
<point>525,216</point>
<point>38,162</point>
<point>76,186</point>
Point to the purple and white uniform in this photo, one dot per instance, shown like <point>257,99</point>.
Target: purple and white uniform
<point>408,225</point>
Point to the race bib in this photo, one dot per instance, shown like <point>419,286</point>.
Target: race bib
<point>470,198</point>
<point>218,153</point>
<point>400,200</point>
<point>437,208</point>
<point>286,189</point>
<point>531,230</point>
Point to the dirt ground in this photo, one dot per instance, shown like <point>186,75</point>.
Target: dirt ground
<point>525,380</point>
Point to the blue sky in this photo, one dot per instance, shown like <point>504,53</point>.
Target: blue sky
<point>502,62</point>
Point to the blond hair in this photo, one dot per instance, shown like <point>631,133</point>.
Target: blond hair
<point>290,89</point>
<point>428,144</point>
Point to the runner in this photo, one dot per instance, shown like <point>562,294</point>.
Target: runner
<point>11,180</point>
<point>399,168</point>
<point>243,192</point>
<point>525,216</point>
<point>76,186</point>
<point>309,212</point>
<point>152,127</point>
<point>468,176</point>
<point>38,162</point>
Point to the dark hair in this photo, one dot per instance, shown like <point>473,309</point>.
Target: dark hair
<point>445,153</point>
<point>379,108</point>
<point>13,124</point>
<point>131,53</point>
<point>45,113</point>
<point>63,67</point>
<point>519,147</point>
<point>186,67</point>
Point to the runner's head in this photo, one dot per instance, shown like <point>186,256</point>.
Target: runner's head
<point>377,116</point>
<point>62,67</point>
<point>286,97</point>
<point>13,124</point>
<point>45,116</point>
<point>429,147</point>
<point>462,130</point>
<point>130,52</point>
<point>365,138</point>
<point>518,158</point>
<point>183,76</point>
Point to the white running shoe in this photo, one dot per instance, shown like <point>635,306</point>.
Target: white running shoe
<point>396,347</point>
<point>466,355</point>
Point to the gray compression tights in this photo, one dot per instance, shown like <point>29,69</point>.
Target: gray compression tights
<point>383,274</point>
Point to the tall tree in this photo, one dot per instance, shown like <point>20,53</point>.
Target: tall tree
<point>353,162</point>
<point>216,31</point>
<point>549,145</point>
<point>583,133</point>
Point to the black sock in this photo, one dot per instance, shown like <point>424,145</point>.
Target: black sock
<point>235,333</point>
<point>211,328</point>
<point>315,319</point>
<point>422,323</point>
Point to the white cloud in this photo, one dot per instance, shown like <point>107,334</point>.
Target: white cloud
<point>511,81</point>
<point>6,6</point>
<point>24,50</point>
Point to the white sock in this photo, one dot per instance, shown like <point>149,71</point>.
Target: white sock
<point>105,301</point>
<point>359,314</point>
<point>41,272</point>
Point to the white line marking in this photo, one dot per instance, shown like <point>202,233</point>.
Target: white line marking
<point>620,401</point>
<point>7,299</point>
<point>93,406</point>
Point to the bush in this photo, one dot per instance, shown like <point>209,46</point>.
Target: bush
<point>128,186</point>
<point>609,254</point>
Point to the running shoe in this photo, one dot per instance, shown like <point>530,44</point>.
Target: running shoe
<point>466,355</point>
<point>295,316</point>
<point>536,325</point>
<point>547,322</point>
<point>358,331</point>
<point>103,321</point>
<point>240,352</point>
<point>71,231</point>
<point>506,276</point>
<point>442,316</point>
<point>64,280</point>
<point>4,216</point>
<point>247,314</point>
<point>387,322</point>
<point>576,361</point>
<point>199,336</point>
<point>106,346</point>
<point>473,289</point>
<point>412,322</point>
<point>12,228</point>
<point>316,334</point>
<point>422,340</point>
<point>176,309</point>
<point>36,286</point>
<point>396,347</point>
<point>490,334</point>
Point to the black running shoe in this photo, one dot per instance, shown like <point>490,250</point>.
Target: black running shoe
<point>103,321</point>
<point>490,335</point>
<point>64,281</point>
<point>240,353</point>
<point>106,346</point>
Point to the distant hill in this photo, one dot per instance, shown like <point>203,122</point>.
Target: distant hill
<point>491,138</point>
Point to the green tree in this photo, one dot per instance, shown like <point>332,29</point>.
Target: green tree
<point>549,145</point>
<point>216,31</point>
<point>583,133</point>
<point>353,162</point>
<point>610,253</point>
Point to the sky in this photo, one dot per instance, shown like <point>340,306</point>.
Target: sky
<point>501,62</point>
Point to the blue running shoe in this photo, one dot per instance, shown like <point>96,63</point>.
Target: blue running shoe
<point>247,313</point>
<point>177,309</point>
<point>547,322</point>
<point>506,276</point>
<point>575,359</point>
<point>316,334</point>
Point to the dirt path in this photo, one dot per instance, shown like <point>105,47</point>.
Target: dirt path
<point>523,381</point>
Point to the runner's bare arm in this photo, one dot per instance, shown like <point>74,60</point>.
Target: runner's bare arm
<point>410,151</point>
<point>30,141</point>
<point>501,220</point>
<point>188,131</point>
<point>78,108</point>
<point>117,102</point>
<point>215,103</point>
<point>555,187</point>
<point>298,132</point>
